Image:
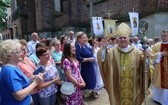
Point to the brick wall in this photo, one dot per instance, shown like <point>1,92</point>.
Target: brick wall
<point>76,13</point>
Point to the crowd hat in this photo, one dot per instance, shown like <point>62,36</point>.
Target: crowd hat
<point>123,29</point>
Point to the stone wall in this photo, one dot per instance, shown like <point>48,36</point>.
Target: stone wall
<point>157,22</point>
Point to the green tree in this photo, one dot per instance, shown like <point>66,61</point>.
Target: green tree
<point>4,4</point>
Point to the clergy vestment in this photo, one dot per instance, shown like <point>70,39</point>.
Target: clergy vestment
<point>161,68</point>
<point>123,76</point>
<point>160,75</point>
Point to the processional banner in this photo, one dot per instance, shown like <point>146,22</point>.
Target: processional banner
<point>110,27</point>
<point>134,20</point>
<point>97,26</point>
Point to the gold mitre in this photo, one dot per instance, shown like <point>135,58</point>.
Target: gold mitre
<point>123,29</point>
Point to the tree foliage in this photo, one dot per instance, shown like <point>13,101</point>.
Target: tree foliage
<point>4,4</point>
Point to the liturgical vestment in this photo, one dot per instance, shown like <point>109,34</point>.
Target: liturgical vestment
<point>160,77</point>
<point>123,75</point>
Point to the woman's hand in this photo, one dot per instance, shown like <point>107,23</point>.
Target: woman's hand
<point>39,78</point>
<point>164,53</point>
<point>57,81</point>
<point>91,59</point>
<point>82,84</point>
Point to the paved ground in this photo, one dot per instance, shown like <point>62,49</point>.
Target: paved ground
<point>101,100</point>
<point>104,100</point>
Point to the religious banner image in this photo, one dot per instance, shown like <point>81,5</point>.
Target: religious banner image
<point>134,20</point>
<point>97,26</point>
<point>110,27</point>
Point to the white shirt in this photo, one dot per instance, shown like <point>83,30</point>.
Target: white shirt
<point>31,47</point>
<point>73,40</point>
<point>159,56</point>
<point>138,46</point>
<point>123,49</point>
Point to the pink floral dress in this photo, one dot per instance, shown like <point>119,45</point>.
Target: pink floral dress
<point>77,97</point>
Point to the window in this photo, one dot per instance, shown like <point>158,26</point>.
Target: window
<point>58,5</point>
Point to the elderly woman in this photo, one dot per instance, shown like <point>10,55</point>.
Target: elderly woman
<point>57,55</point>
<point>47,89</point>
<point>28,67</point>
<point>15,86</point>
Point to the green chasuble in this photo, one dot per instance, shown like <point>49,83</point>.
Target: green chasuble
<point>123,75</point>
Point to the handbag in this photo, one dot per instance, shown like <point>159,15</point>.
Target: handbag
<point>67,88</point>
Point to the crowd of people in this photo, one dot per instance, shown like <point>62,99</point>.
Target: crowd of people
<point>115,63</point>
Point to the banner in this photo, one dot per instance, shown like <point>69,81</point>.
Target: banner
<point>110,27</point>
<point>97,26</point>
<point>134,20</point>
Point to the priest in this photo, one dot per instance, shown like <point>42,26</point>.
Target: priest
<point>122,69</point>
<point>159,55</point>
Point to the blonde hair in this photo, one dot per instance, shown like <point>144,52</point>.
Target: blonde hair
<point>79,34</point>
<point>23,42</point>
<point>7,48</point>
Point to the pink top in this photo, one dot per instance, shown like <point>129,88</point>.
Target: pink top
<point>28,67</point>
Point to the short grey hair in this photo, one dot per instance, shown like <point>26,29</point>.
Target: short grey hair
<point>34,33</point>
<point>7,48</point>
<point>71,32</point>
<point>56,42</point>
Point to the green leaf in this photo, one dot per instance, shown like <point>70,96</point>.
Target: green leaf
<point>4,4</point>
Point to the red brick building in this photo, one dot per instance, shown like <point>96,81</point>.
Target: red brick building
<point>23,18</point>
